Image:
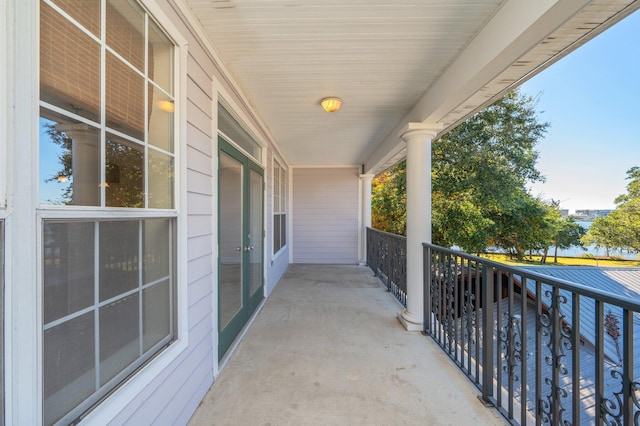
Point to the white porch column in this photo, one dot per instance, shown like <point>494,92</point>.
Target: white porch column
<point>418,137</point>
<point>85,163</point>
<point>365,185</point>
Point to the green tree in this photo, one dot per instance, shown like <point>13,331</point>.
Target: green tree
<point>621,228</point>
<point>600,234</point>
<point>389,200</point>
<point>479,174</point>
<point>569,234</point>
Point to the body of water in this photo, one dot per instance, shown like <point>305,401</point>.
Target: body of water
<point>577,251</point>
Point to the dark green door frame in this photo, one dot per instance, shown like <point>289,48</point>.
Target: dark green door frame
<point>249,247</point>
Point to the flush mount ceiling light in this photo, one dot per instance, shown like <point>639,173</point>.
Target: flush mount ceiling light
<point>331,104</point>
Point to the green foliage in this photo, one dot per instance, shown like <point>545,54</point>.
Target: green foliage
<point>621,228</point>
<point>389,200</point>
<point>479,174</point>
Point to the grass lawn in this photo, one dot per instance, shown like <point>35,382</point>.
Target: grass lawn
<point>564,261</point>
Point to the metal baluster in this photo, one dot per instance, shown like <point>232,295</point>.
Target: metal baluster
<point>538,354</point>
<point>523,356</point>
<point>428,276</point>
<point>502,349</point>
<point>487,335</point>
<point>511,348</point>
<point>599,320</point>
<point>575,320</point>
<point>479,303</point>
<point>627,366</point>
<point>555,347</point>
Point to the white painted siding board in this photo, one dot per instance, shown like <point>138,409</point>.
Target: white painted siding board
<point>199,310</point>
<point>199,268</point>
<point>199,140</point>
<point>198,117</point>
<point>199,246</point>
<point>167,412</point>
<point>199,76</point>
<point>199,225</point>
<point>148,408</point>
<point>198,203</point>
<point>194,403</point>
<point>199,98</point>
<point>325,215</point>
<point>199,183</point>
<point>199,289</point>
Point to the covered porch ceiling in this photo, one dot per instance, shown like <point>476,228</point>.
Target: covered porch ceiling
<point>391,61</point>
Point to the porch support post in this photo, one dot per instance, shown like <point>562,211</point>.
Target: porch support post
<point>365,183</point>
<point>418,137</point>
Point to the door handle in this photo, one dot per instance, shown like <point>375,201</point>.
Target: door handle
<point>238,249</point>
<point>248,248</point>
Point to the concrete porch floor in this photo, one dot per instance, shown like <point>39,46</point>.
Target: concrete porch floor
<point>327,349</point>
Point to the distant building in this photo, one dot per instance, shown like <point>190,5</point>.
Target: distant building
<point>590,214</point>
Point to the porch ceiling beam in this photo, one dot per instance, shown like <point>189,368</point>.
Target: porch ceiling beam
<point>517,27</point>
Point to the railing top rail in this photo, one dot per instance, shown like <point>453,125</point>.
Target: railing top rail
<point>389,234</point>
<point>580,289</point>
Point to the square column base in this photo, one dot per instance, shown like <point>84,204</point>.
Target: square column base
<point>408,324</point>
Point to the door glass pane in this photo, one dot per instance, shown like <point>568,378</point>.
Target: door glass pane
<point>234,130</point>
<point>255,232</point>
<point>231,247</point>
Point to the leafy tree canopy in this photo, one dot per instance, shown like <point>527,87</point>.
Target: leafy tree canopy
<point>621,228</point>
<point>479,174</point>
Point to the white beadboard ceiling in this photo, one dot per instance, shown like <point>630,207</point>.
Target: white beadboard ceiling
<point>390,61</point>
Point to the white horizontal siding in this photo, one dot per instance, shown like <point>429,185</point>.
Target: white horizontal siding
<point>325,215</point>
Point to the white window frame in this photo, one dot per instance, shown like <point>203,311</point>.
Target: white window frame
<point>283,204</point>
<point>4,36</point>
<point>106,410</point>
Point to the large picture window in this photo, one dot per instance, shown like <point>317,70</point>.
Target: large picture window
<point>107,149</point>
<point>279,207</point>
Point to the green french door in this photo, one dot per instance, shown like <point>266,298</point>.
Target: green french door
<point>241,247</point>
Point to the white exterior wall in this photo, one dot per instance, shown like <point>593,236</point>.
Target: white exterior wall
<point>325,215</point>
<point>168,389</point>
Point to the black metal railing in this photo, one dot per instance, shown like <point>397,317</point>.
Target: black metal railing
<point>541,350</point>
<point>387,258</point>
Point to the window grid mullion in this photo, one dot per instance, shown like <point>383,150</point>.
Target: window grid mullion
<point>96,302</point>
<point>171,276</point>
<point>140,284</point>
<point>146,111</point>
<point>103,101</point>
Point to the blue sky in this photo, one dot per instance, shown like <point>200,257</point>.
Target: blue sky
<point>591,98</point>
